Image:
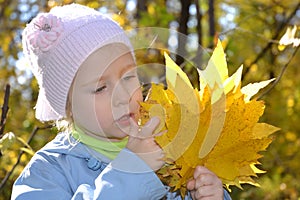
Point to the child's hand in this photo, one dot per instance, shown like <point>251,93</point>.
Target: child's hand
<point>143,144</point>
<point>205,185</point>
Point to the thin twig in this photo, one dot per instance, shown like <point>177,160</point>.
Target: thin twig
<point>33,133</point>
<point>269,44</point>
<point>280,75</point>
<point>5,108</point>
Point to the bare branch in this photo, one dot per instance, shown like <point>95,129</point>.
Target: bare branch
<point>33,133</point>
<point>280,75</point>
<point>269,45</point>
<point>5,108</point>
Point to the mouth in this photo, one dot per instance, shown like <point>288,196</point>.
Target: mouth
<point>125,119</point>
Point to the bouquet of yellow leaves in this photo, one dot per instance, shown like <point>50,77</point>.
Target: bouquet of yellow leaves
<point>216,126</point>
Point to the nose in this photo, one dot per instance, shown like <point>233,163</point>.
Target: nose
<point>120,94</point>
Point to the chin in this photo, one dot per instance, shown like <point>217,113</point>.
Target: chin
<point>118,137</point>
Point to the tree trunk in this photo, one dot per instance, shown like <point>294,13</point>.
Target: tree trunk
<point>183,31</point>
<point>211,21</point>
<point>198,57</point>
<point>141,7</point>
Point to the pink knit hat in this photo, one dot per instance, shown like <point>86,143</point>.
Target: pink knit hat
<point>57,43</point>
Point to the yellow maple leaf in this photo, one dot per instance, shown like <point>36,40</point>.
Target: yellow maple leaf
<point>217,127</point>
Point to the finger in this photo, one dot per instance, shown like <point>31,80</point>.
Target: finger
<point>201,170</point>
<point>191,184</point>
<point>209,191</point>
<point>203,191</point>
<point>148,129</point>
<point>208,179</point>
<point>160,133</point>
<point>134,128</point>
<point>202,180</point>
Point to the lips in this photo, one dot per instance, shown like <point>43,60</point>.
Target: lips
<point>125,119</point>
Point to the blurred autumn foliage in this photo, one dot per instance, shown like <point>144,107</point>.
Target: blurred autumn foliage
<point>250,32</point>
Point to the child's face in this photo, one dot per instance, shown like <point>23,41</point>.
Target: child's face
<point>106,92</point>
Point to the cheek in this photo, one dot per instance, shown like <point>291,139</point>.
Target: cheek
<point>85,112</point>
<point>103,110</point>
<point>137,95</point>
<point>135,91</point>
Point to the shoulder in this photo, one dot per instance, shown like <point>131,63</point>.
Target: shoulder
<point>65,152</point>
<point>62,159</point>
<point>59,147</point>
<point>52,152</point>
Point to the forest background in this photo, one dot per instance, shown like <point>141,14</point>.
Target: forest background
<point>250,32</point>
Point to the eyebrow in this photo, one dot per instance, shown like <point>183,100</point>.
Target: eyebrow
<point>127,67</point>
<point>92,81</point>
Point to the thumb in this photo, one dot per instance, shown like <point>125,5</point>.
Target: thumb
<point>134,129</point>
<point>191,184</point>
<point>148,129</point>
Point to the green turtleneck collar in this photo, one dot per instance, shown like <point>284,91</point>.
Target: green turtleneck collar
<point>106,148</point>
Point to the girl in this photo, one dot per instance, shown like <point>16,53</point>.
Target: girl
<point>86,71</point>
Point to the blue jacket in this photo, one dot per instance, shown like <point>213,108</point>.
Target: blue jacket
<point>66,169</point>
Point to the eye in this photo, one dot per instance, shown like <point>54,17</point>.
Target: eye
<point>128,77</point>
<point>100,89</point>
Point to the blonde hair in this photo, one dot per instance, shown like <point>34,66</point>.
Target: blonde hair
<point>66,124</point>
